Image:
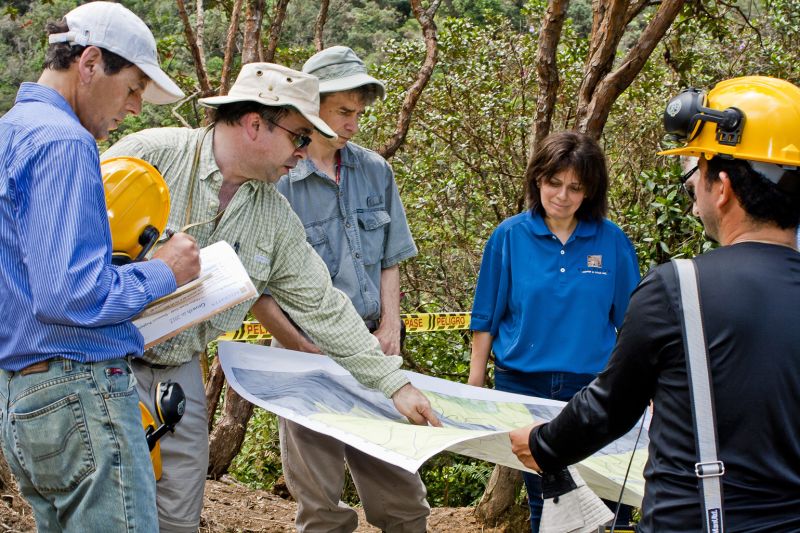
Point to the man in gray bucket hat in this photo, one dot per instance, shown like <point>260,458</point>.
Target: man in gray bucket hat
<point>347,199</point>
<point>223,175</point>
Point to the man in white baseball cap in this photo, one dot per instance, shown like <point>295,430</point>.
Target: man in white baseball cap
<point>114,28</point>
<point>70,423</point>
<point>225,174</point>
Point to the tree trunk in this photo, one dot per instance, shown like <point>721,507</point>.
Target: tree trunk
<point>251,45</point>
<point>593,117</point>
<point>196,50</point>
<point>547,71</point>
<point>228,435</point>
<point>278,15</point>
<point>425,19</point>
<point>500,496</point>
<point>214,384</point>
<point>319,26</point>
<point>230,43</point>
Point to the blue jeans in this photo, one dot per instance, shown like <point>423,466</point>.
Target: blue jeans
<point>553,385</point>
<point>73,438</point>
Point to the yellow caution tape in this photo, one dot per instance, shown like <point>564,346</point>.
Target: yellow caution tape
<point>415,323</point>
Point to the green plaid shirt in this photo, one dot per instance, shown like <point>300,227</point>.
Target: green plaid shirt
<point>271,243</point>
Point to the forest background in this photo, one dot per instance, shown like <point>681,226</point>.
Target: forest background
<point>472,85</point>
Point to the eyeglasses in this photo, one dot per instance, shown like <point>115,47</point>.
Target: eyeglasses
<point>684,178</point>
<point>298,140</point>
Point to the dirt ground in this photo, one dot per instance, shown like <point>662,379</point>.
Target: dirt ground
<point>233,507</point>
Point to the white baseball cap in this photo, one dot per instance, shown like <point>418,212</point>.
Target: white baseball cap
<point>114,28</point>
<point>340,69</point>
<point>276,86</point>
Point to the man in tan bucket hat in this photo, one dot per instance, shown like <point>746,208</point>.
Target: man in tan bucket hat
<point>224,174</point>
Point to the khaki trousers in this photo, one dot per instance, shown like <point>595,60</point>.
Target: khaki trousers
<point>184,454</point>
<point>313,465</point>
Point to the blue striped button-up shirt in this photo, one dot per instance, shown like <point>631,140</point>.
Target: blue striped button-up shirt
<point>59,293</point>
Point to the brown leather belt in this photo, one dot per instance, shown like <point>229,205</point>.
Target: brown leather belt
<point>36,368</point>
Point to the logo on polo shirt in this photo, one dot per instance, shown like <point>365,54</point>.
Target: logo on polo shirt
<point>594,261</point>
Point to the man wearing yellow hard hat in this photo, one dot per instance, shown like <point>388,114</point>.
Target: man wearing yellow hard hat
<point>714,342</point>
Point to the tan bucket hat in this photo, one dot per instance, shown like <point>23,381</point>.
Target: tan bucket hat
<point>276,86</point>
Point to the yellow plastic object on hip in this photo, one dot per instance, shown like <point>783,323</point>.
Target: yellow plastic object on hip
<point>137,197</point>
<point>771,132</point>
<point>155,453</point>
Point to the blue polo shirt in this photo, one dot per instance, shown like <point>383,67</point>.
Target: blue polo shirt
<point>553,307</point>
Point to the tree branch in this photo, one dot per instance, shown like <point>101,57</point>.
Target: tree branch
<point>278,15</point>
<point>230,43</point>
<point>197,55</point>
<point>319,25</point>
<point>251,45</point>
<point>425,19</point>
<point>547,72</point>
<point>609,89</point>
<point>607,30</point>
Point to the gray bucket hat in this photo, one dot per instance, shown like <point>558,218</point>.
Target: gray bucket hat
<point>340,69</point>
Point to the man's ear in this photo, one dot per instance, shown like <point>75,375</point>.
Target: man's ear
<point>252,124</point>
<point>722,187</point>
<point>89,63</point>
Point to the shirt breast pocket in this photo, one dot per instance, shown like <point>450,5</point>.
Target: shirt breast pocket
<point>373,226</point>
<point>255,258</point>
<point>318,238</point>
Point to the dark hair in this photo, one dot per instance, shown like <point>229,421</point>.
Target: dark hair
<point>233,112</point>
<point>59,56</point>
<point>571,150</point>
<point>366,94</point>
<point>761,199</point>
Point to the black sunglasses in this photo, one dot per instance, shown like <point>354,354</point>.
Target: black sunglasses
<point>684,178</point>
<point>298,140</point>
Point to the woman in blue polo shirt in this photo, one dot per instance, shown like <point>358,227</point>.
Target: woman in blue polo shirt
<point>554,283</point>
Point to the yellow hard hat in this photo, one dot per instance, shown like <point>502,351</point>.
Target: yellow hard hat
<point>755,118</point>
<point>149,425</point>
<point>137,200</point>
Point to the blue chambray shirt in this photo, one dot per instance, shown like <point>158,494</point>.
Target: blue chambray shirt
<point>59,293</point>
<point>358,227</point>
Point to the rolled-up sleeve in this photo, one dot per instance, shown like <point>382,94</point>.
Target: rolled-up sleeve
<point>301,285</point>
<point>491,292</point>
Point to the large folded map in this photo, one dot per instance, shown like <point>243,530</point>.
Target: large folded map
<point>316,392</point>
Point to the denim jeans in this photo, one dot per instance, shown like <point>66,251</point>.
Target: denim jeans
<point>73,438</point>
<point>552,385</point>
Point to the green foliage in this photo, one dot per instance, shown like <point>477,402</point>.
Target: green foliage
<point>455,481</point>
<point>259,462</point>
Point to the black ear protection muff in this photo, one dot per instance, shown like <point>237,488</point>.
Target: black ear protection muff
<point>170,404</point>
<point>685,116</point>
